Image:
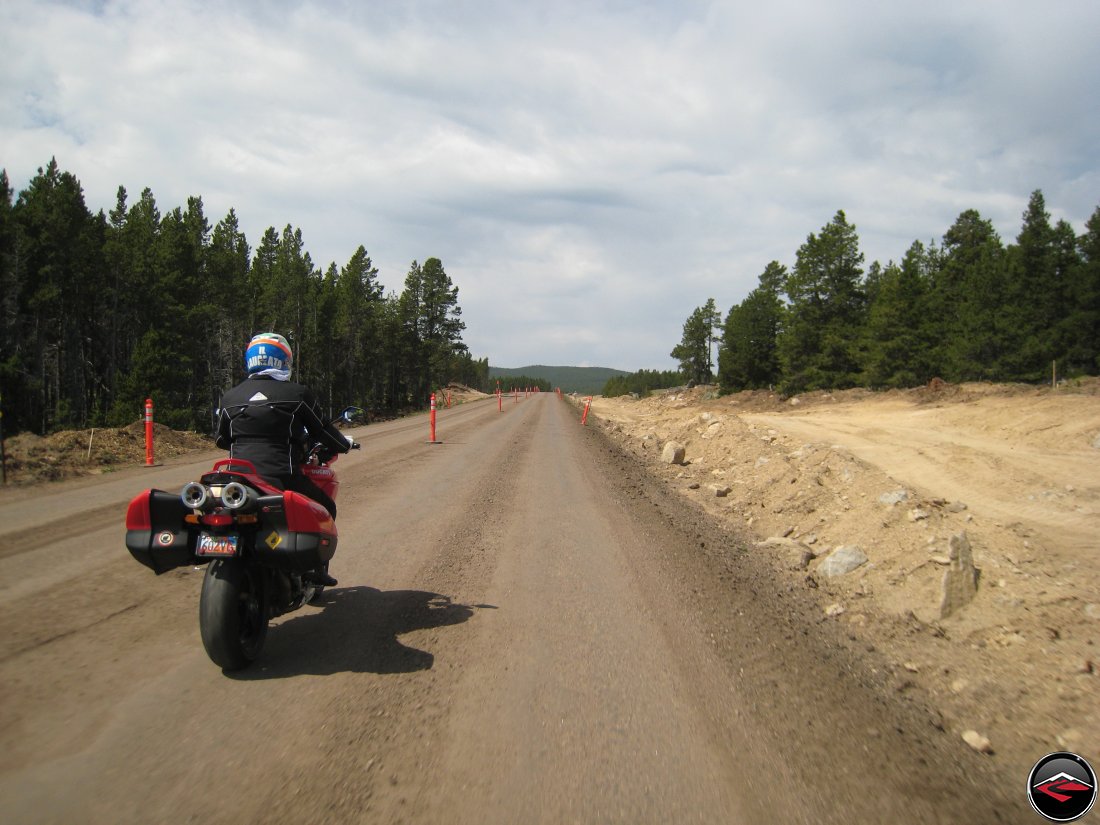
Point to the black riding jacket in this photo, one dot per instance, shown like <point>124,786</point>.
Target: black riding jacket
<point>272,423</point>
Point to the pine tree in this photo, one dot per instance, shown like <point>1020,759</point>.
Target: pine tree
<point>748,357</point>
<point>899,350</point>
<point>134,267</point>
<point>965,302</point>
<point>693,351</point>
<point>12,366</point>
<point>58,269</point>
<point>1083,323</point>
<point>356,329</point>
<point>1067,268</point>
<point>1033,296</point>
<point>227,266</point>
<point>818,347</point>
<point>183,309</point>
<point>431,319</point>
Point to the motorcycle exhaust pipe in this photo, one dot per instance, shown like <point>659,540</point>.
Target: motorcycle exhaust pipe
<point>236,496</point>
<point>193,495</point>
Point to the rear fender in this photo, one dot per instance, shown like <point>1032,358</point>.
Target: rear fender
<point>323,476</point>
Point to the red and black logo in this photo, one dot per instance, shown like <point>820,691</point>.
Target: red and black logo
<point>1062,787</point>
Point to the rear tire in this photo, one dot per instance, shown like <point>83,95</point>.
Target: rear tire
<point>232,613</point>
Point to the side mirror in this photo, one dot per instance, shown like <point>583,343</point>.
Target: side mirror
<point>353,415</point>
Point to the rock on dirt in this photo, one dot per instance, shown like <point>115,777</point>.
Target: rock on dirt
<point>842,560</point>
<point>960,580</point>
<point>673,453</point>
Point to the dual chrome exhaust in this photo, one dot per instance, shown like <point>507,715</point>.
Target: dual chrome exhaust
<point>234,496</point>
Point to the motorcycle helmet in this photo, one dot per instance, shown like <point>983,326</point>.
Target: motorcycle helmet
<point>269,354</point>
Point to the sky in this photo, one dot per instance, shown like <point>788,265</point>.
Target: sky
<point>588,171</point>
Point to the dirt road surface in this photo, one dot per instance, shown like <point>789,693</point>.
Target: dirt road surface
<point>529,627</point>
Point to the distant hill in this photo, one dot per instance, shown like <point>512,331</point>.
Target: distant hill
<point>582,380</point>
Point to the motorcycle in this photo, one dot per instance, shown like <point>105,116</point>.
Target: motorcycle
<point>263,547</point>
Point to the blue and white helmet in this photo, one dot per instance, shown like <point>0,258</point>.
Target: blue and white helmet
<point>269,354</point>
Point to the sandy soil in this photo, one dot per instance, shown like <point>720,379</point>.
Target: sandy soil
<point>1016,469</point>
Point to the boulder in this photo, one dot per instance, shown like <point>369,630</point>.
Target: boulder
<point>842,560</point>
<point>673,453</point>
<point>960,580</point>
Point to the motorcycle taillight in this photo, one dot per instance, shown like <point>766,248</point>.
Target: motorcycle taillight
<point>137,514</point>
<point>217,519</point>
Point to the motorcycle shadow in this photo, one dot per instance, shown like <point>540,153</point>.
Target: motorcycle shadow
<point>356,631</point>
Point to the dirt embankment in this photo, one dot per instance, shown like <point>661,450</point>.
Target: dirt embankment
<point>31,459</point>
<point>910,480</point>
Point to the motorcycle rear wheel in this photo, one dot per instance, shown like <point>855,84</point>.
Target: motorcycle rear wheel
<point>232,613</point>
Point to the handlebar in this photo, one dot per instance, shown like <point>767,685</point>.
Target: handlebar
<point>318,450</point>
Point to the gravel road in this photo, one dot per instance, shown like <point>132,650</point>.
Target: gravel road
<point>527,629</point>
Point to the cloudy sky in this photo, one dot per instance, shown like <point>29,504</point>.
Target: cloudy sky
<point>588,171</point>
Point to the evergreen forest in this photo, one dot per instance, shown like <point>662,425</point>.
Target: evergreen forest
<point>100,311</point>
<point>968,309</point>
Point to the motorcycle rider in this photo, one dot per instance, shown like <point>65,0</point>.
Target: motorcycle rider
<point>270,420</point>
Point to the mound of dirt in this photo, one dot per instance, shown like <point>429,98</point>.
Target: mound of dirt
<point>460,394</point>
<point>31,458</point>
<point>909,481</point>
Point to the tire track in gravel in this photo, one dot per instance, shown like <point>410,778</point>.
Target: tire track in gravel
<point>65,701</point>
<point>381,748</point>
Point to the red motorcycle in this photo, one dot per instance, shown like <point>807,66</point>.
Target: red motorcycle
<point>263,547</point>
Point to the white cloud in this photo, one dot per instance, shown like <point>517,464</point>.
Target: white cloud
<point>604,166</point>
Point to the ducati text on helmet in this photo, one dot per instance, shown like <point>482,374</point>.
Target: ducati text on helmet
<point>268,351</point>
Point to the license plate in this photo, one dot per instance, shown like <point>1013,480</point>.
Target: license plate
<point>216,545</point>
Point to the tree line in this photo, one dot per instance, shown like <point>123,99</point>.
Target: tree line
<point>100,311</point>
<point>642,382</point>
<point>968,309</point>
